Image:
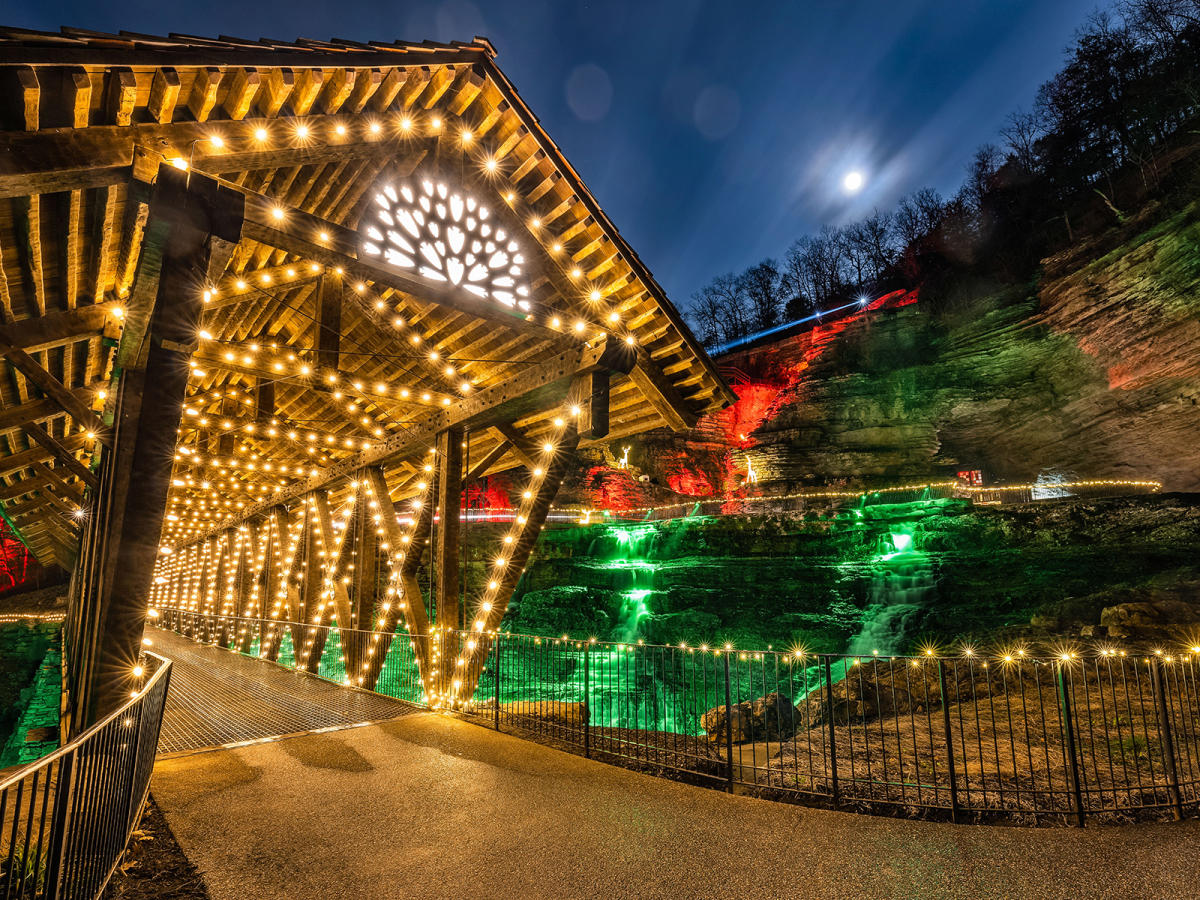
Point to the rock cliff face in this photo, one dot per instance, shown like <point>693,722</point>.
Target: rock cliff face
<point>878,577</point>
<point>1092,372</point>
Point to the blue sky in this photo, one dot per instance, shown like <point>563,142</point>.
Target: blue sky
<point>712,133</point>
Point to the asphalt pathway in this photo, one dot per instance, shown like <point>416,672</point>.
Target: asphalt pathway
<point>431,806</point>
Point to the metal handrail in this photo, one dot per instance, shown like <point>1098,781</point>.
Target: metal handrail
<point>65,819</point>
<point>159,672</point>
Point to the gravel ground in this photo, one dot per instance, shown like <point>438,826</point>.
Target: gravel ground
<point>431,806</point>
<point>153,867</point>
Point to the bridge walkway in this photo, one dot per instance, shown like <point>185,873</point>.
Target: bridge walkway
<point>222,699</point>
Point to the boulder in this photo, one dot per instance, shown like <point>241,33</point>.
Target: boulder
<point>1154,613</point>
<point>769,718</point>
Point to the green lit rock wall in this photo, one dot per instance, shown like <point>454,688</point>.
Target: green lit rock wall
<point>884,576</point>
<point>30,691</point>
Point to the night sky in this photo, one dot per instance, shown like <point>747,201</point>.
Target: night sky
<point>713,133</point>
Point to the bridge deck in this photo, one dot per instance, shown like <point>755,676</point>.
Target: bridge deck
<point>218,698</point>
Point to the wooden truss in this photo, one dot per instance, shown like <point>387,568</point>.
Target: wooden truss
<point>184,267</point>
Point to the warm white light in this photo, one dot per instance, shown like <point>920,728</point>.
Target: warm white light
<point>301,131</point>
<point>277,212</point>
<point>217,141</point>
<point>260,134</point>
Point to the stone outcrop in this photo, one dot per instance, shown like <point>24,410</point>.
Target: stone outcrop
<point>1091,372</point>
<point>769,718</point>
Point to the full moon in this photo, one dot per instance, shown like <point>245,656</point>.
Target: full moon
<point>852,182</point>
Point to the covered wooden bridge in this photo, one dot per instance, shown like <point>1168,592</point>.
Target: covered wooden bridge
<point>269,307</point>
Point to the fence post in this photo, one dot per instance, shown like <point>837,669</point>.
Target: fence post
<point>1164,730</point>
<point>59,831</point>
<point>587,696</point>
<point>941,666</point>
<point>728,726</point>
<point>1064,705</point>
<point>833,784</point>
<point>497,667</point>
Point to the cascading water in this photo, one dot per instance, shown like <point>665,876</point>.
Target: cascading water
<point>902,577</point>
<point>626,690</point>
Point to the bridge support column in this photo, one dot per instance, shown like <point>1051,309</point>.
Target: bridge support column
<point>191,228</point>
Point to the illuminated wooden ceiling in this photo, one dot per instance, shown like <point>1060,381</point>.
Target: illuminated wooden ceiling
<point>287,388</point>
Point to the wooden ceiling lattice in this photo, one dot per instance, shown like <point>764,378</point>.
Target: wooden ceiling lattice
<point>314,355</point>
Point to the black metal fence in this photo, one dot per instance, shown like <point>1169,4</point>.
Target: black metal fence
<point>1005,734</point>
<point>67,817</point>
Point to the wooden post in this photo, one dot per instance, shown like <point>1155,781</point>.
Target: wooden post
<point>446,549</point>
<point>328,322</point>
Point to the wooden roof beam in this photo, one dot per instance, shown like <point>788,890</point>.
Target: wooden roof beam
<point>662,394</point>
<point>66,399</point>
<point>538,387</point>
<point>65,457</point>
<point>11,465</point>
<point>60,327</point>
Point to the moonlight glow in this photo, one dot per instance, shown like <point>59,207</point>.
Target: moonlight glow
<point>852,182</point>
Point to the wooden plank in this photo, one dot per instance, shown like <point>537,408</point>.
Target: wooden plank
<point>56,328</point>
<point>304,94</point>
<point>341,598</point>
<point>203,96</point>
<point>589,399</point>
<point>123,536</point>
<point>242,85</point>
<point>31,96</point>
<point>122,95</point>
<point>53,388</point>
<point>64,456</point>
<point>79,96</point>
<point>337,88</point>
<point>164,94</point>
<point>479,469</point>
<point>525,449</point>
<point>13,417</point>
<point>274,90</point>
<point>662,394</point>
<point>10,465</point>
<point>328,322</point>
<point>401,547</point>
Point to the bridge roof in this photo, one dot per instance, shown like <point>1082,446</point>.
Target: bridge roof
<point>310,133</point>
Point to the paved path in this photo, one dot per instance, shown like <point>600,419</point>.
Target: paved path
<point>218,697</point>
<point>430,806</point>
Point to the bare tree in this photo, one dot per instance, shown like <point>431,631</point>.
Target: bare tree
<point>918,215</point>
<point>761,287</point>
<point>1021,132</point>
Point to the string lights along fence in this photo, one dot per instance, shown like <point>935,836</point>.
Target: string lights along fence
<point>1006,736</point>
<point>67,817</point>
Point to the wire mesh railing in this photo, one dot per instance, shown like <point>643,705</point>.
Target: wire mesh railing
<point>66,818</point>
<point>982,736</point>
